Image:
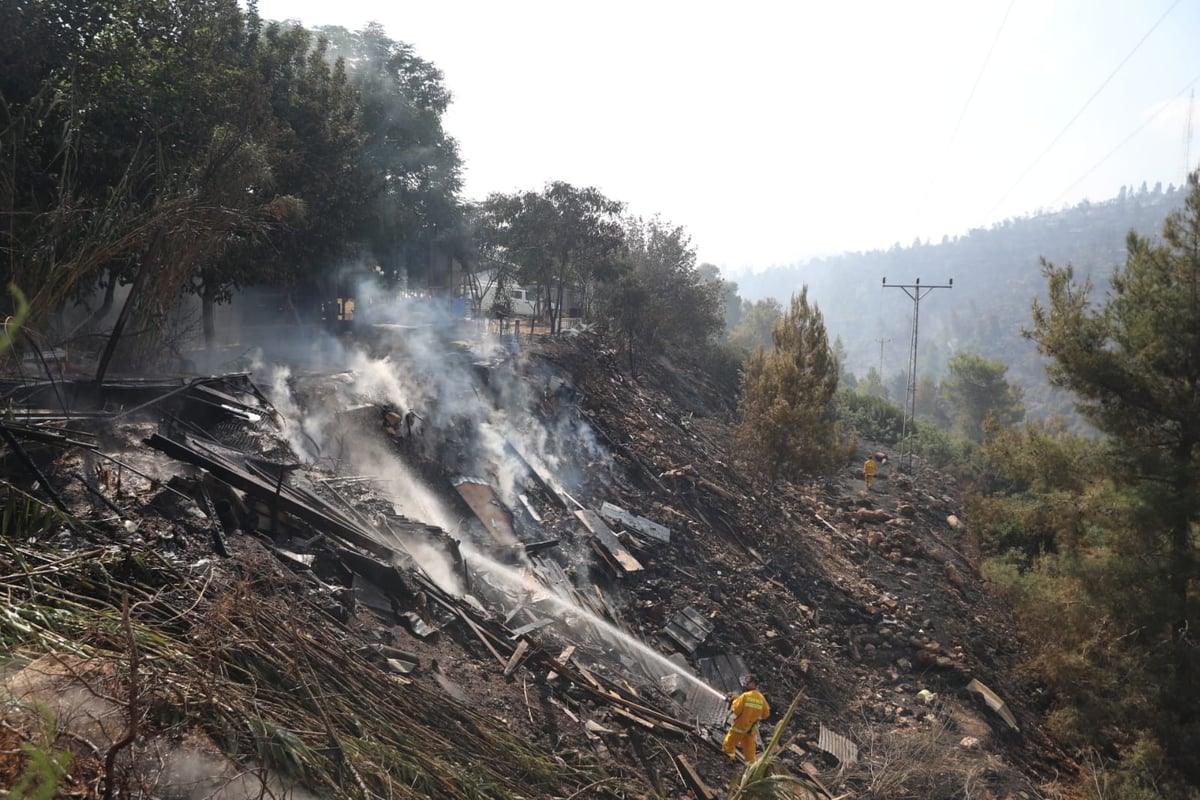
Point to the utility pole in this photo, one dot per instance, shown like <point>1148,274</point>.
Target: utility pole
<point>916,291</point>
<point>1187,139</point>
<point>882,342</point>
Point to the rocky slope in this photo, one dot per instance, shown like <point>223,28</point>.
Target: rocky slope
<point>280,628</point>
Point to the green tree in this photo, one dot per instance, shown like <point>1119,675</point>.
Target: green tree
<point>117,133</point>
<point>757,320</point>
<point>562,239</point>
<point>411,171</point>
<point>975,389</point>
<point>665,301</point>
<point>927,402</point>
<point>872,385</point>
<point>786,427</point>
<point>1133,364</point>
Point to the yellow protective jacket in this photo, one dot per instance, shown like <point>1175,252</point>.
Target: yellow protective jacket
<point>748,708</point>
<point>869,468</point>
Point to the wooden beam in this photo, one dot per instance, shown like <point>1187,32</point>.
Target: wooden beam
<point>518,656</point>
<point>693,779</point>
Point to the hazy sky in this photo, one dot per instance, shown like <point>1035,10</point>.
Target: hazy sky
<point>773,131</point>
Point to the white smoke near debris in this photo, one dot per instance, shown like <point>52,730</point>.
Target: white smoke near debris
<point>189,773</point>
<point>472,406</point>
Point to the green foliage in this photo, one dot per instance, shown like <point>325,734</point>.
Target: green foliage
<point>663,300</point>
<point>26,517</point>
<point>871,416</point>
<point>723,363</point>
<point>1096,543</point>
<point>974,390</point>
<point>12,324</point>
<point>938,447</point>
<point>563,239</point>
<point>995,271</point>
<point>194,146</point>
<point>46,766</point>
<point>409,166</point>
<point>872,385</point>
<point>787,428</point>
<point>755,323</point>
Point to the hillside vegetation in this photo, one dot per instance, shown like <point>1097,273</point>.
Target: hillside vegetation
<point>997,276</point>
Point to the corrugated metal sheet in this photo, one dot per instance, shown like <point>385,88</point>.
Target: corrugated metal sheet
<point>837,746</point>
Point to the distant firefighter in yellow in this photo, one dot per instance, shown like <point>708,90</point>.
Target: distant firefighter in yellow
<point>748,708</point>
<point>869,472</point>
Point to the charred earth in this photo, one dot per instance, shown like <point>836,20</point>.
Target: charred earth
<point>438,564</point>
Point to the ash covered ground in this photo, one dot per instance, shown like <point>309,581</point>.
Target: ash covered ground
<point>393,567</point>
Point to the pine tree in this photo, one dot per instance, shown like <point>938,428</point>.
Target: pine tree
<point>975,389</point>
<point>1134,365</point>
<point>787,429</point>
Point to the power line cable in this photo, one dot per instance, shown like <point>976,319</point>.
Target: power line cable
<point>1125,141</point>
<point>1079,113</point>
<point>963,114</point>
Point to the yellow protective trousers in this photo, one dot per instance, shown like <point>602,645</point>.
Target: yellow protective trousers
<point>747,739</point>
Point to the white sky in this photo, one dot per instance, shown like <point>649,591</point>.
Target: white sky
<point>774,131</point>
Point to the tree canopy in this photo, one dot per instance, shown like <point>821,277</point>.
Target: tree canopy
<point>1097,541</point>
<point>975,390</point>
<point>558,241</point>
<point>197,146</point>
<point>786,427</point>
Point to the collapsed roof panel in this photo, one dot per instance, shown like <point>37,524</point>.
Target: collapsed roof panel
<point>488,509</point>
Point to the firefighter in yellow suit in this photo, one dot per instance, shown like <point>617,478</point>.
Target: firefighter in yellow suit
<point>748,708</point>
<point>869,472</point>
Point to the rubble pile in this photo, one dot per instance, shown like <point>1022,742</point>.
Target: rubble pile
<point>540,582</point>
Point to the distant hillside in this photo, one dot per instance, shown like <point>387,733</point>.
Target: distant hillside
<point>996,276</point>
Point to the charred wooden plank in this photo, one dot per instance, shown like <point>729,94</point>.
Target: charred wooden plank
<point>693,779</point>
<point>648,528</point>
<point>608,540</point>
<point>519,655</point>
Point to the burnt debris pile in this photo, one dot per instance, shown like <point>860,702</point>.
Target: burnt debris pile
<point>447,570</point>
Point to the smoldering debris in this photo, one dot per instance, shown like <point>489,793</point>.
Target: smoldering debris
<point>316,470</point>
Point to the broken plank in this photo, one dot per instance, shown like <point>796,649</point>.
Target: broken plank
<point>814,776</point>
<point>645,723</point>
<point>603,535</point>
<point>587,676</point>
<point>483,638</point>
<point>692,778</point>
<point>564,709</point>
<point>647,528</point>
<point>518,656</point>
<point>563,658</point>
<point>654,723</point>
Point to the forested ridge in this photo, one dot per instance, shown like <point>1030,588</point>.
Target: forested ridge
<point>996,278</point>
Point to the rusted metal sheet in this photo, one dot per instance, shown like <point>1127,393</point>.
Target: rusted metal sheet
<point>993,702</point>
<point>689,628</point>
<point>837,746</point>
<point>488,509</point>
<point>648,528</point>
<point>608,542</point>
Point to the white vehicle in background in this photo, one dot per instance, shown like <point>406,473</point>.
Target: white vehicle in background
<point>514,301</point>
